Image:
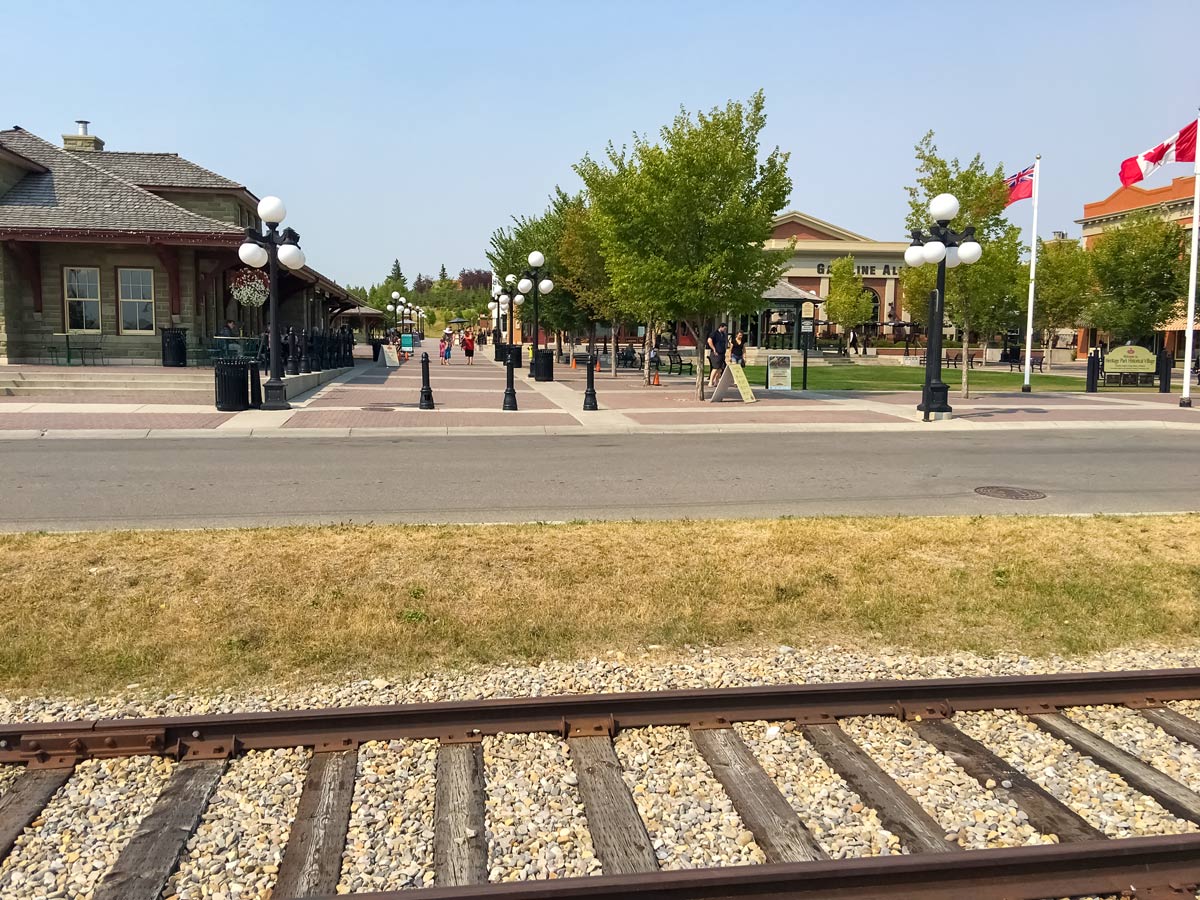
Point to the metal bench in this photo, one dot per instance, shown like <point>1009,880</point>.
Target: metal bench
<point>676,363</point>
<point>1035,362</point>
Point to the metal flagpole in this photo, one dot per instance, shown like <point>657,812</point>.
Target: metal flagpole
<point>1186,398</point>
<point>1037,183</point>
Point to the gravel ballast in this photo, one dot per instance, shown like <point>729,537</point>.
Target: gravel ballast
<point>389,843</point>
<point>533,814</point>
<point>82,831</point>
<point>238,846</point>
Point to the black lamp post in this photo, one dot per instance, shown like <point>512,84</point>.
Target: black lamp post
<point>271,249</point>
<point>944,248</point>
<point>507,303</point>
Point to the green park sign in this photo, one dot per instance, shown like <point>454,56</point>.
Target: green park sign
<point>1130,358</point>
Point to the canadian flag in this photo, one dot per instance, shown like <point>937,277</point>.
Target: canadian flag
<point>1179,147</point>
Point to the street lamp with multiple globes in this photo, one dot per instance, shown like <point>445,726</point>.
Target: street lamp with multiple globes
<point>270,250</point>
<point>507,304</point>
<point>530,281</point>
<point>946,249</point>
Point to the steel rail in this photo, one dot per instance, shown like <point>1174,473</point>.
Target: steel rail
<point>221,736</point>
<point>1149,867</point>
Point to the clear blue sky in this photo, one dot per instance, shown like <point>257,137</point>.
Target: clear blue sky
<point>412,130</point>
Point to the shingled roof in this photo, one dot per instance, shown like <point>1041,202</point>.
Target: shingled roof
<point>77,194</point>
<point>785,290</point>
<point>158,170</point>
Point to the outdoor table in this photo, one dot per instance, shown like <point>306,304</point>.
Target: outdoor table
<point>67,335</point>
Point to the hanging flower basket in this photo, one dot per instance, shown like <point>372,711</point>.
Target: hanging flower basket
<point>249,287</point>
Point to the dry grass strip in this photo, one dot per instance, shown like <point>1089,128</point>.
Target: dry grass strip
<point>218,608</point>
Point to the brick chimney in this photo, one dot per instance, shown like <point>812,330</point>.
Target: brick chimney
<point>82,140</point>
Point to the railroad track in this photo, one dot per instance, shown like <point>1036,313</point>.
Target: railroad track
<point>722,727</point>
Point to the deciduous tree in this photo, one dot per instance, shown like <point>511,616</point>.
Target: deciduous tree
<point>682,222</point>
<point>1141,273</point>
<point>984,297</point>
<point>1065,286</point>
<point>848,304</point>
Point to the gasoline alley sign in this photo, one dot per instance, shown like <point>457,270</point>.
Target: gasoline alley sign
<point>866,269</point>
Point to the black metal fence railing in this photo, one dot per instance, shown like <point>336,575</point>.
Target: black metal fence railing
<point>310,349</point>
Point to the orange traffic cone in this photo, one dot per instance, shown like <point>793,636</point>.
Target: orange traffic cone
<point>657,383</point>
<point>573,366</point>
<point>597,364</point>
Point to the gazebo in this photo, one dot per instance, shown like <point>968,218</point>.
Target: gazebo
<point>776,326</point>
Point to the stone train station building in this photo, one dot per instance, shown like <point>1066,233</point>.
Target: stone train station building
<point>112,247</point>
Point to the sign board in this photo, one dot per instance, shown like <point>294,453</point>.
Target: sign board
<point>391,358</point>
<point>733,376</point>
<point>808,310</point>
<point>779,372</point>
<point>806,327</point>
<point>1130,359</point>
<point>406,343</point>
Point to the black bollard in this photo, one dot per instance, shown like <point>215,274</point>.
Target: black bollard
<point>426,390</point>
<point>1093,371</point>
<point>255,386</point>
<point>589,396</point>
<point>1166,362</point>
<point>305,344</point>
<point>510,393</point>
<point>293,360</point>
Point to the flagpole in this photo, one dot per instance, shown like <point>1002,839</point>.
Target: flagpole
<point>1186,398</point>
<point>1037,183</point>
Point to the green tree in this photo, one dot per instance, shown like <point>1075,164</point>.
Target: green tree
<point>397,276</point>
<point>849,303</point>
<point>1065,286</point>
<point>584,274</point>
<point>985,297</point>
<point>1141,274</point>
<point>682,222</point>
<point>442,276</point>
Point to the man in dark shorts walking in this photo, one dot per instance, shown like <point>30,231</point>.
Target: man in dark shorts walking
<point>718,342</point>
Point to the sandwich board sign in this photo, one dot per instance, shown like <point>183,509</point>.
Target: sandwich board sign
<point>733,376</point>
<point>406,343</point>
<point>779,372</point>
<point>391,358</point>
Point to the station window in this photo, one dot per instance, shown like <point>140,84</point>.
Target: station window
<point>135,297</point>
<point>82,290</point>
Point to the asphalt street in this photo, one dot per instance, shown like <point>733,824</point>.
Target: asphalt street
<point>86,484</point>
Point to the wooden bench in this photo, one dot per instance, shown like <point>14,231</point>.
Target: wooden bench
<point>676,363</point>
<point>1035,362</point>
<point>954,360</point>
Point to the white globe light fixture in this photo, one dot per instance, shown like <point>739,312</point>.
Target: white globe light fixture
<point>545,286</point>
<point>291,256</point>
<point>252,255</point>
<point>510,279</point>
<point>536,259</point>
<point>952,257</point>
<point>492,305</point>
<point>391,308</point>
<point>934,252</point>
<point>396,295</point>
<point>271,210</point>
<point>914,256</point>
<point>519,299</point>
<point>970,252</point>
<point>943,207</point>
<point>524,285</point>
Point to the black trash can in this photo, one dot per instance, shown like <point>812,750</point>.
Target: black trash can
<point>501,351</point>
<point>174,347</point>
<point>543,365</point>
<point>232,378</point>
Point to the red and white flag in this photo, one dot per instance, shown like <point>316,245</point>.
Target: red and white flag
<point>1179,147</point>
<point>1020,186</point>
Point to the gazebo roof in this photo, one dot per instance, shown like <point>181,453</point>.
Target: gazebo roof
<point>784,290</point>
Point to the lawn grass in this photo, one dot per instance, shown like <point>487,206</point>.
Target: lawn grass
<point>209,609</point>
<point>899,378</point>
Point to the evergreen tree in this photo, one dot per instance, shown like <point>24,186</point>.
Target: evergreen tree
<point>442,276</point>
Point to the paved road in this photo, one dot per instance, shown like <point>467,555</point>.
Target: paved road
<point>82,484</point>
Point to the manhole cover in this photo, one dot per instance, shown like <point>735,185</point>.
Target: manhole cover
<point>1009,493</point>
<point>379,409</point>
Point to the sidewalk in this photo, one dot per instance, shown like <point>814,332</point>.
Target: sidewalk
<point>371,400</point>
